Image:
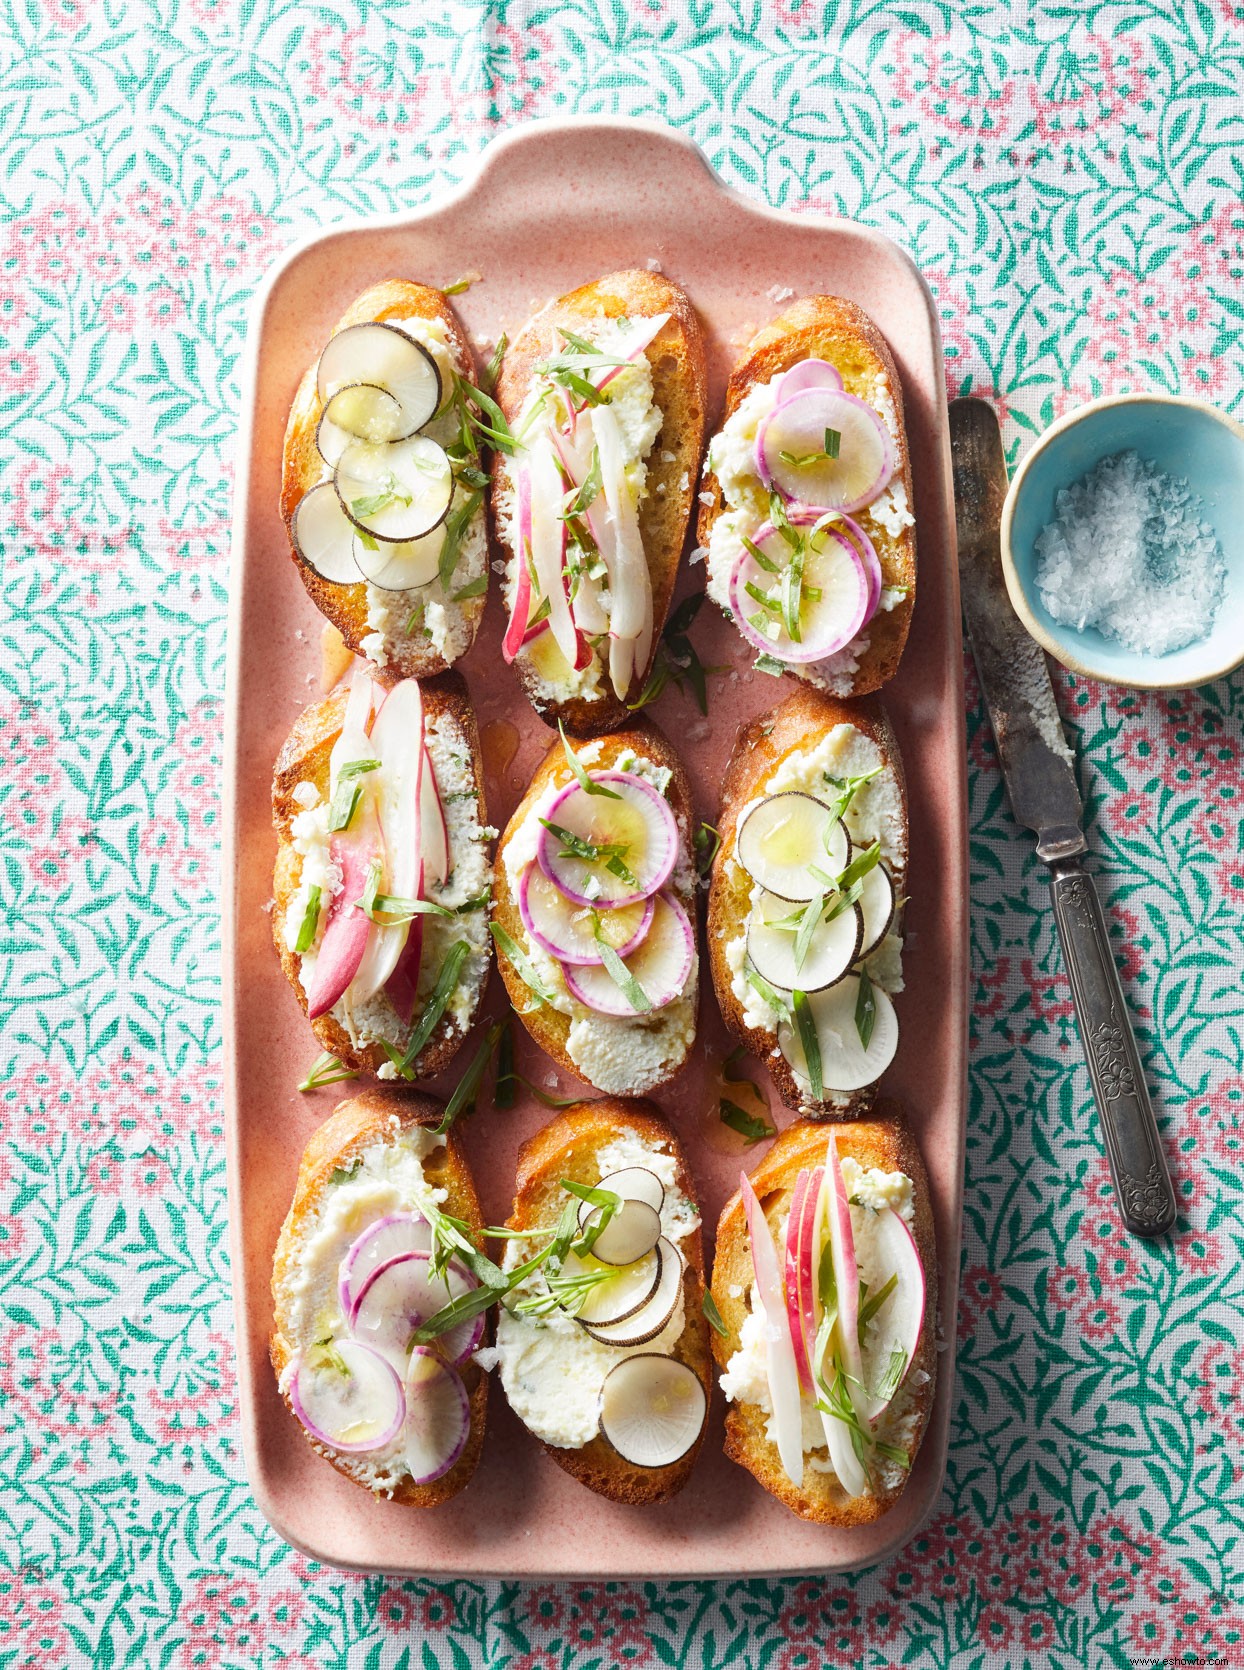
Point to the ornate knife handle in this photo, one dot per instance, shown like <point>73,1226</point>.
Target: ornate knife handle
<point>1133,1147</point>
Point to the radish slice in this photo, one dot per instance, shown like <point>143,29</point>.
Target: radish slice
<point>845,1064</point>
<point>348,931</point>
<point>885,1247</point>
<point>834,597</point>
<point>401,1294</point>
<point>434,829</point>
<point>403,984</point>
<point>395,493</point>
<point>644,332</point>
<point>797,426</point>
<point>566,930</point>
<point>359,411</point>
<point>639,824</point>
<point>784,836</point>
<point>661,965</point>
<point>632,1183</point>
<point>852,1474</point>
<point>360,1409</point>
<point>794,1294</point>
<point>387,355</point>
<point>868,556</point>
<point>387,1238</point>
<point>517,632</point>
<point>808,374</point>
<point>438,1416</point>
<point>652,1409</point>
<point>876,905</point>
<point>548,543</point>
<point>631,581</point>
<point>632,1232</point>
<point>780,1368</point>
<point>400,567</point>
<point>619,1293</point>
<point>771,950</point>
<point>397,742</point>
<point>802,1298</point>
<point>655,1315</point>
<point>323,536</point>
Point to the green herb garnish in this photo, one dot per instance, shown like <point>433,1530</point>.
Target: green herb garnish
<point>865,1009</point>
<point>581,777</point>
<point>806,1027</point>
<point>310,921</point>
<point>859,867</point>
<point>707,844</point>
<point>611,855</point>
<point>438,1002</point>
<point>874,1302</point>
<point>345,1174</point>
<point>455,527</point>
<point>505,1083</point>
<point>621,976</point>
<point>521,962</point>
<point>677,659</point>
<point>809,922</point>
<point>712,1315</point>
<point>848,787</point>
<point>773,998</point>
<point>326,1069</point>
<point>769,664</point>
<point>892,1379</point>
<point>467,1088</point>
<point>752,1129</point>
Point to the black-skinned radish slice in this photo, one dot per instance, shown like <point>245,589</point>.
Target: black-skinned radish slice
<point>323,536</point>
<point>635,833</point>
<point>401,567</point>
<point>401,1294</point>
<point>791,453</point>
<point>660,965</point>
<point>438,1416</point>
<point>784,837</point>
<point>347,1396</point>
<point>619,1294</point>
<point>846,1064</point>
<point>652,1409</point>
<point>772,949</point>
<point>567,930</point>
<point>358,412</point>
<point>632,1231</point>
<point>397,1232</point>
<point>395,493</point>
<point>654,1315</point>
<point>632,1183</point>
<point>877,903</point>
<point>384,354</point>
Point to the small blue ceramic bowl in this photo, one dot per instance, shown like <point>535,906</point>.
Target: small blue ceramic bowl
<point>1182,437</point>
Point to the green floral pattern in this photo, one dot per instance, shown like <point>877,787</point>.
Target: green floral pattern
<point>1071,179</point>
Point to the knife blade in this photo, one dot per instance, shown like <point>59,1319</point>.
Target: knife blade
<point>1038,769</point>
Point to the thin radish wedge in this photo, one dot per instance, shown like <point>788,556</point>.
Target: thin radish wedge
<point>885,1247</point>
<point>633,840</point>
<point>517,632</point>
<point>438,1416</point>
<point>780,1366</point>
<point>868,556</point>
<point>793,1259</point>
<point>548,542</point>
<point>844,1343</point>
<point>323,536</point>
<point>397,742</point>
<point>847,1063</point>
<point>660,967</point>
<point>433,827</point>
<point>395,1233</point>
<point>781,839</point>
<point>567,930</point>
<point>652,1409</point>
<point>401,1294</point>
<point>348,1397</point>
<point>791,452</point>
<point>403,986</point>
<point>833,595</point>
<point>386,355</point>
<point>348,931</point>
<point>808,374</point>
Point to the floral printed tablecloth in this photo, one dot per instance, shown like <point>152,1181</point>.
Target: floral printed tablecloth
<point>1071,179</point>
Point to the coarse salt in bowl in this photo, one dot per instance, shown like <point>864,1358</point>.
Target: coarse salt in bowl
<point>1184,439</point>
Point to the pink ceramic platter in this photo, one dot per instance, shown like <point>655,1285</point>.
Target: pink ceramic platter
<point>551,206</point>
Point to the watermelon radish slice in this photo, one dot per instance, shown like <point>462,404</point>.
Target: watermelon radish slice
<point>438,1416</point>
<point>885,1247</point>
<point>348,1397</point>
<point>661,965</point>
<point>395,1233</point>
<point>867,553</point>
<point>828,622</point>
<point>401,1294</point>
<point>566,930</point>
<point>791,457</point>
<point>783,1376</point>
<point>638,829</point>
<point>808,374</point>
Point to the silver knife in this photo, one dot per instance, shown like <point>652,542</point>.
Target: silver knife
<point>1040,780</point>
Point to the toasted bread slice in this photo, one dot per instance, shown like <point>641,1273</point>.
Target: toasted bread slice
<point>664,1038</point>
<point>376,1116</point>
<point>793,726</point>
<point>304,758</point>
<point>830,328</point>
<point>884,1143</point>
<point>387,638</point>
<point>568,1147</point>
<point>680,391</point>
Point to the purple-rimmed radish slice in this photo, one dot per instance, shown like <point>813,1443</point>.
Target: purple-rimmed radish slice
<point>775,937</point>
<point>388,1238</point>
<point>633,1230</point>
<point>783,1375</point>
<point>846,1063</point>
<point>404,567</point>
<point>438,1416</point>
<point>660,965</point>
<point>868,556</point>
<point>808,374</point>
<point>833,596</point>
<point>884,1247</point>
<point>396,493</point>
<point>784,837</point>
<point>632,1183</point>
<point>348,1397</point>
<point>877,904</point>
<point>358,412</point>
<point>652,1317</point>
<point>567,931</point>
<point>791,455</point>
<point>386,355</point>
<point>652,1409</point>
<point>323,536</point>
<point>401,1294</point>
<point>617,1293</point>
<point>637,827</point>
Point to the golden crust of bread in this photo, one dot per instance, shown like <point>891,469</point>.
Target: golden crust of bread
<point>759,749</point>
<point>567,1147</point>
<point>550,1027</point>
<point>304,757</point>
<point>680,388</point>
<point>884,1142</point>
<point>352,1127</point>
<point>831,328</point>
<point>346,606</point>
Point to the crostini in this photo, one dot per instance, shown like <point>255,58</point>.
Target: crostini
<point>383,483</point>
<point>383,874</point>
<point>807,520</point>
<point>382,1234</point>
<point>602,1348</point>
<point>805,904</point>
<point>825,1279</point>
<point>594,911</point>
<point>605,395</point>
